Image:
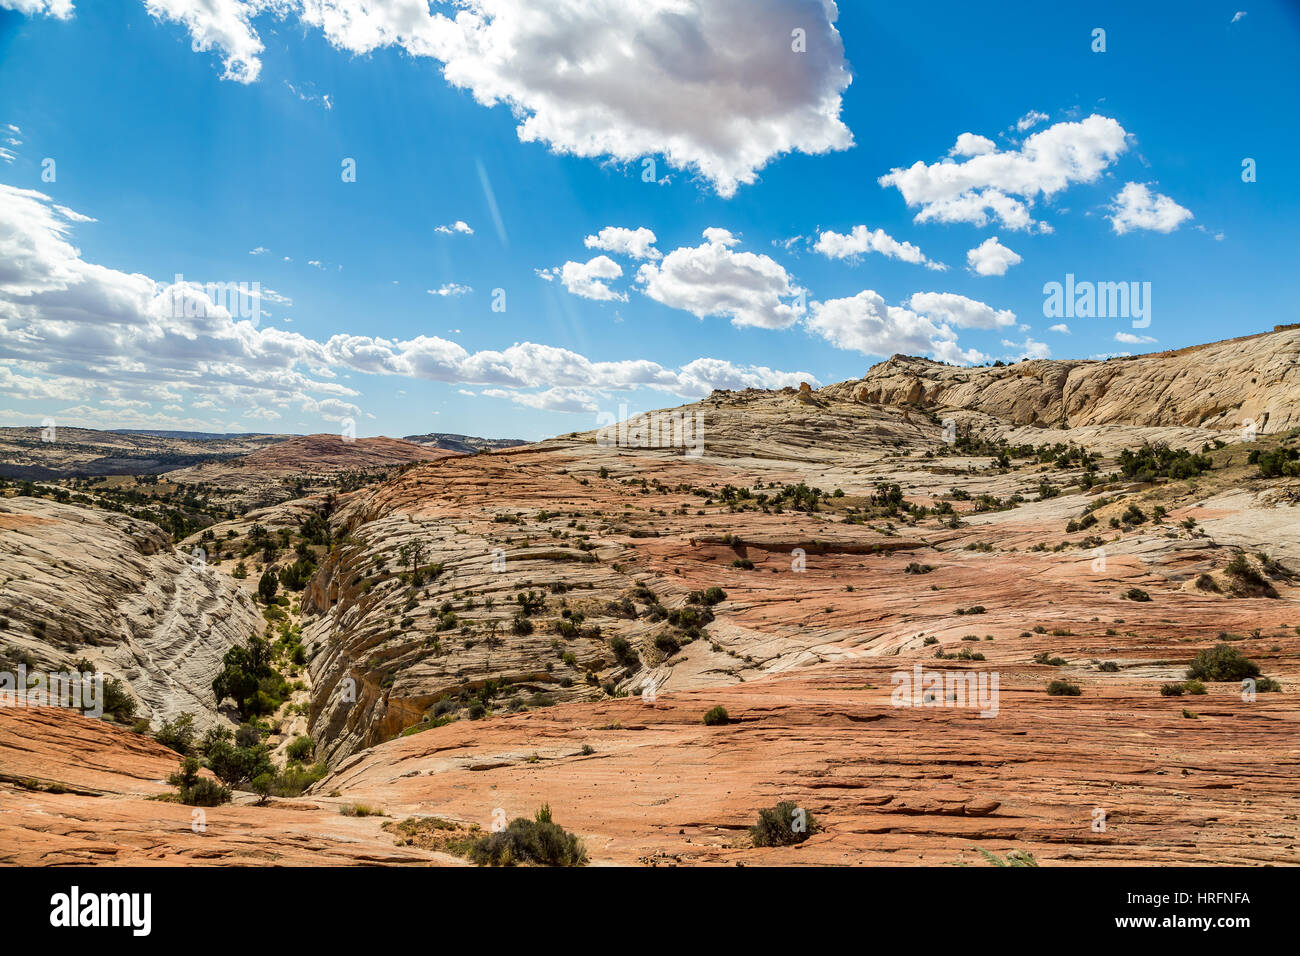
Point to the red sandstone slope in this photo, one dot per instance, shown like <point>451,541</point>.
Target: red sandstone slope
<point>319,454</point>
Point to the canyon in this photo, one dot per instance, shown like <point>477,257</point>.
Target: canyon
<point>487,629</point>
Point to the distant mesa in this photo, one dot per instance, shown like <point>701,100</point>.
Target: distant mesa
<point>330,453</point>
<point>468,444</point>
<point>89,452</point>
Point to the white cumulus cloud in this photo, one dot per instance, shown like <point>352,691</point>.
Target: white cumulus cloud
<point>1136,207</point>
<point>991,258</point>
<point>860,239</point>
<point>719,88</point>
<point>1004,184</point>
<point>59,9</point>
<point>588,279</point>
<point>712,279</point>
<point>1128,338</point>
<point>865,323</point>
<point>1030,120</point>
<point>970,144</point>
<point>72,330</point>
<point>225,25</point>
<point>450,289</point>
<point>637,243</point>
<point>960,311</point>
<point>1029,349</point>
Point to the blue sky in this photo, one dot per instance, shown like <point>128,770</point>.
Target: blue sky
<point>1115,166</point>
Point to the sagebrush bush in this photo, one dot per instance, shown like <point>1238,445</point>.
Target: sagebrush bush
<point>538,842</point>
<point>1222,662</point>
<point>716,716</point>
<point>194,790</point>
<point>1063,688</point>
<point>783,825</point>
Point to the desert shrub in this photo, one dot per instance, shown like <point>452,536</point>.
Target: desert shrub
<point>530,601</point>
<point>236,766</point>
<point>1246,579</point>
<point>248,678</point>
<point>710,597</point>
<point>301,749</point>
<point>206,793</point>
<point>521,626</point>
<point>1045,657</point>
<point>1222,662</point>
<point>624,608</point>
<point>1194,687</point>
<point>917,568</point>
<point>246,735</point>
<point>744,564</point>
<point>194,790</point>
<point>262,785</point>
<point>624,653</point>
<point>1133,515</point>
<point>1171,690</point>
<point>715,716</point>
<point>1063,688</point>
<point>214,737</point>
<point>294,779</point>
<point>177,734</point>
<point>1277,463</point>
<point>1161,461</point>
<point>295,576</point>
<point>266,586</point>
<point>118,702</point>
<point>537,842</point>
<point>783,825</point>
<point>1206,583</point>
<point>668,644</point>
<point>690,617</point>
<point>1109,667</point>
<point>1137,594</point>
<point>1014,858</point>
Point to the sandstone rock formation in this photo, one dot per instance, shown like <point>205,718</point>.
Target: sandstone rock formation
<point>80,582</point>
<point>853,540</point>
<point>76,791</point>
<point>1219,385</point>
<point>40,453</point>
<point>302,464</point>
<point>465,444</point>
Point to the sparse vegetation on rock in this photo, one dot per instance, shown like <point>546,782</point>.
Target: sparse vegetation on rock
<point>536,842</point>
<point>785,824</point>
